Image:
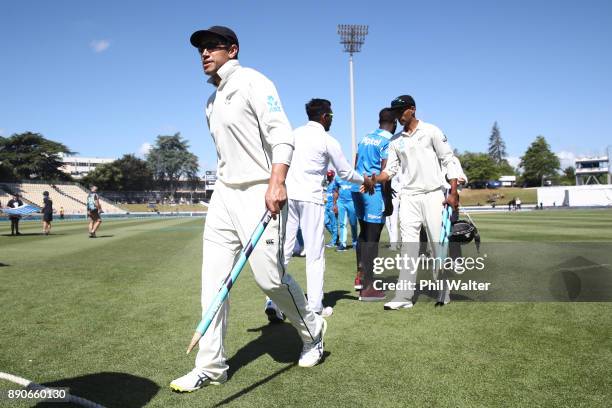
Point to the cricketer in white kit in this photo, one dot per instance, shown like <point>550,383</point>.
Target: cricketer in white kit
<point>315,150</point>
<point>422,156</point>
<point>254,146</point>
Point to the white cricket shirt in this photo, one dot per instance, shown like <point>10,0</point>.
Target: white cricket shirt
<point>248,125</point>
<point>418,157</point>
<point>314,150</point>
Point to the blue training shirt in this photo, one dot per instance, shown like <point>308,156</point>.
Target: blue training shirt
<point>372,150</point>
<point>344,189</point>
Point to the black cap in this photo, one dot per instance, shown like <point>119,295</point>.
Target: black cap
<point>214,33</point>
<point>403,102</point>
<point>45,193</point>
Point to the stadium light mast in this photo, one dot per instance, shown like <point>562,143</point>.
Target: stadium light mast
<point>352,36</point>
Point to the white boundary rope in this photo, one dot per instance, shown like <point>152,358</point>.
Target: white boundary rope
<point>31,385</point>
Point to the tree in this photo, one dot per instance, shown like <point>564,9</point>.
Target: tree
<point>170,160</point>
<point>569,176</point>
<point>106,177</point>
<point>479,166</point>
<point>128,173</point>
<point>29,155</point>
<point>497,147</point>
<point>539,162</point>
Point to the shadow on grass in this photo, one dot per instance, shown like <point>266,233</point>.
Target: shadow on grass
<point>251,387</point>
<point>107,389</point>
<point>3,264</point>
<point>331,298</point>
<point>280,341</point>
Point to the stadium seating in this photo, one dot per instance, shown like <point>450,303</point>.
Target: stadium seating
<point>60,195</point>
<point>4,198</point>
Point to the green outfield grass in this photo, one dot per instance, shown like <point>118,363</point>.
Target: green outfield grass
<point>162,207</point>
<point>111,318</point>
<point>471,196</point>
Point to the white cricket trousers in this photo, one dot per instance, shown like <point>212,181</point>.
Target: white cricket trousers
<point>416,210</point>
<point>392,221</point>
<point>310,218</point>
<point>232,217</point>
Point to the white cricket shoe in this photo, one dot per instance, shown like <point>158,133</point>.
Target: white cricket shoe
<point>326,312</point>
<point>194,380</point>
<point>273,312</point>
<point>398,305</point>
<point>312,353</point>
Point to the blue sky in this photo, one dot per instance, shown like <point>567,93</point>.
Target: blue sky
<point>106,78</point>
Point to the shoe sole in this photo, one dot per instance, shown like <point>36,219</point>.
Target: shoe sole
<point>272,317</point>
<point>176,388</point>
<point>371,299</point>
<point>323,331</point>
<point>397,308</point>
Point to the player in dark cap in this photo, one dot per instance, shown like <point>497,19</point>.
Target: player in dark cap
<point>254,142</point>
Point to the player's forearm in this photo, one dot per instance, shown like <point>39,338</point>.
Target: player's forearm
<point>453,186</point>
<point>382,177</point>
<point>278,174</point>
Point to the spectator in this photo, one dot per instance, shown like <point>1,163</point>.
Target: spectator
<point>47,213</point>
<point>14,203</point>
<point>94,209</point>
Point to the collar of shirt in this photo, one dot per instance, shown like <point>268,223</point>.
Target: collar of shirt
<point>407,134</point>
<point>225,71</point>
<point>384,133</point>
<point>314,124</point>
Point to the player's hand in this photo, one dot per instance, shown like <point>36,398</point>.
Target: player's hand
<point>453,200</point>
<point>335,209</point>
<point>368,184</point>
<point>276,197</point>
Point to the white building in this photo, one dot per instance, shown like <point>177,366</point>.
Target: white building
<point>590,169</point>
<point>78,166</point>
<point>507,181</point>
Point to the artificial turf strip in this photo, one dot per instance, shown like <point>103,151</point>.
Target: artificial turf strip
<point>111,318</point>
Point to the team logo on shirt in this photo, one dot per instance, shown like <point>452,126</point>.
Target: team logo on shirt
<point>273,104</point>
<point>444,138</point>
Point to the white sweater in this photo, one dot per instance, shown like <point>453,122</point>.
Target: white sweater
<point>314,151</point>
<point>248,125</point>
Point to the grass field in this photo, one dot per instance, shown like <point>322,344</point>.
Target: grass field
<point>163,208</point>
<point>111,318</point>
<point>474,196</point>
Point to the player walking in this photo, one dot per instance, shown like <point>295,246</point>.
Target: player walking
<point>370,208</point>
<point>94,209</point>
<point>315,150</point>
<point>421,155</point>
<point>343,201</point>
<point>254,149</point>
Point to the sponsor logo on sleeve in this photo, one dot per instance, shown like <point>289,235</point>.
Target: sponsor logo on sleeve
<point>273,104</point>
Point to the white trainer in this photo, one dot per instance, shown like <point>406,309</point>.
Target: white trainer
<point>312,353</point>
<point>273,312</point>
<point>398,305</point>
<point>194,380</point>
<point>326,312</point>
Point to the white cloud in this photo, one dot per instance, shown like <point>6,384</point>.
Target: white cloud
<point>99,45</point>
<point>144,149</point>
<point>1,132</point>
<point>567,158</point>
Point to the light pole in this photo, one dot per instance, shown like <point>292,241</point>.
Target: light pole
<point>352,36</point>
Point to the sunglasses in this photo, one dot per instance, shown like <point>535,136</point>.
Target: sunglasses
<point>212,47</point>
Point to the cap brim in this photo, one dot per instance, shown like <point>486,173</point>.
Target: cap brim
<point>202,36</point>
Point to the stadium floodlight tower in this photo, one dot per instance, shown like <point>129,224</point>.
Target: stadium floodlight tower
<point>352,36</point>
